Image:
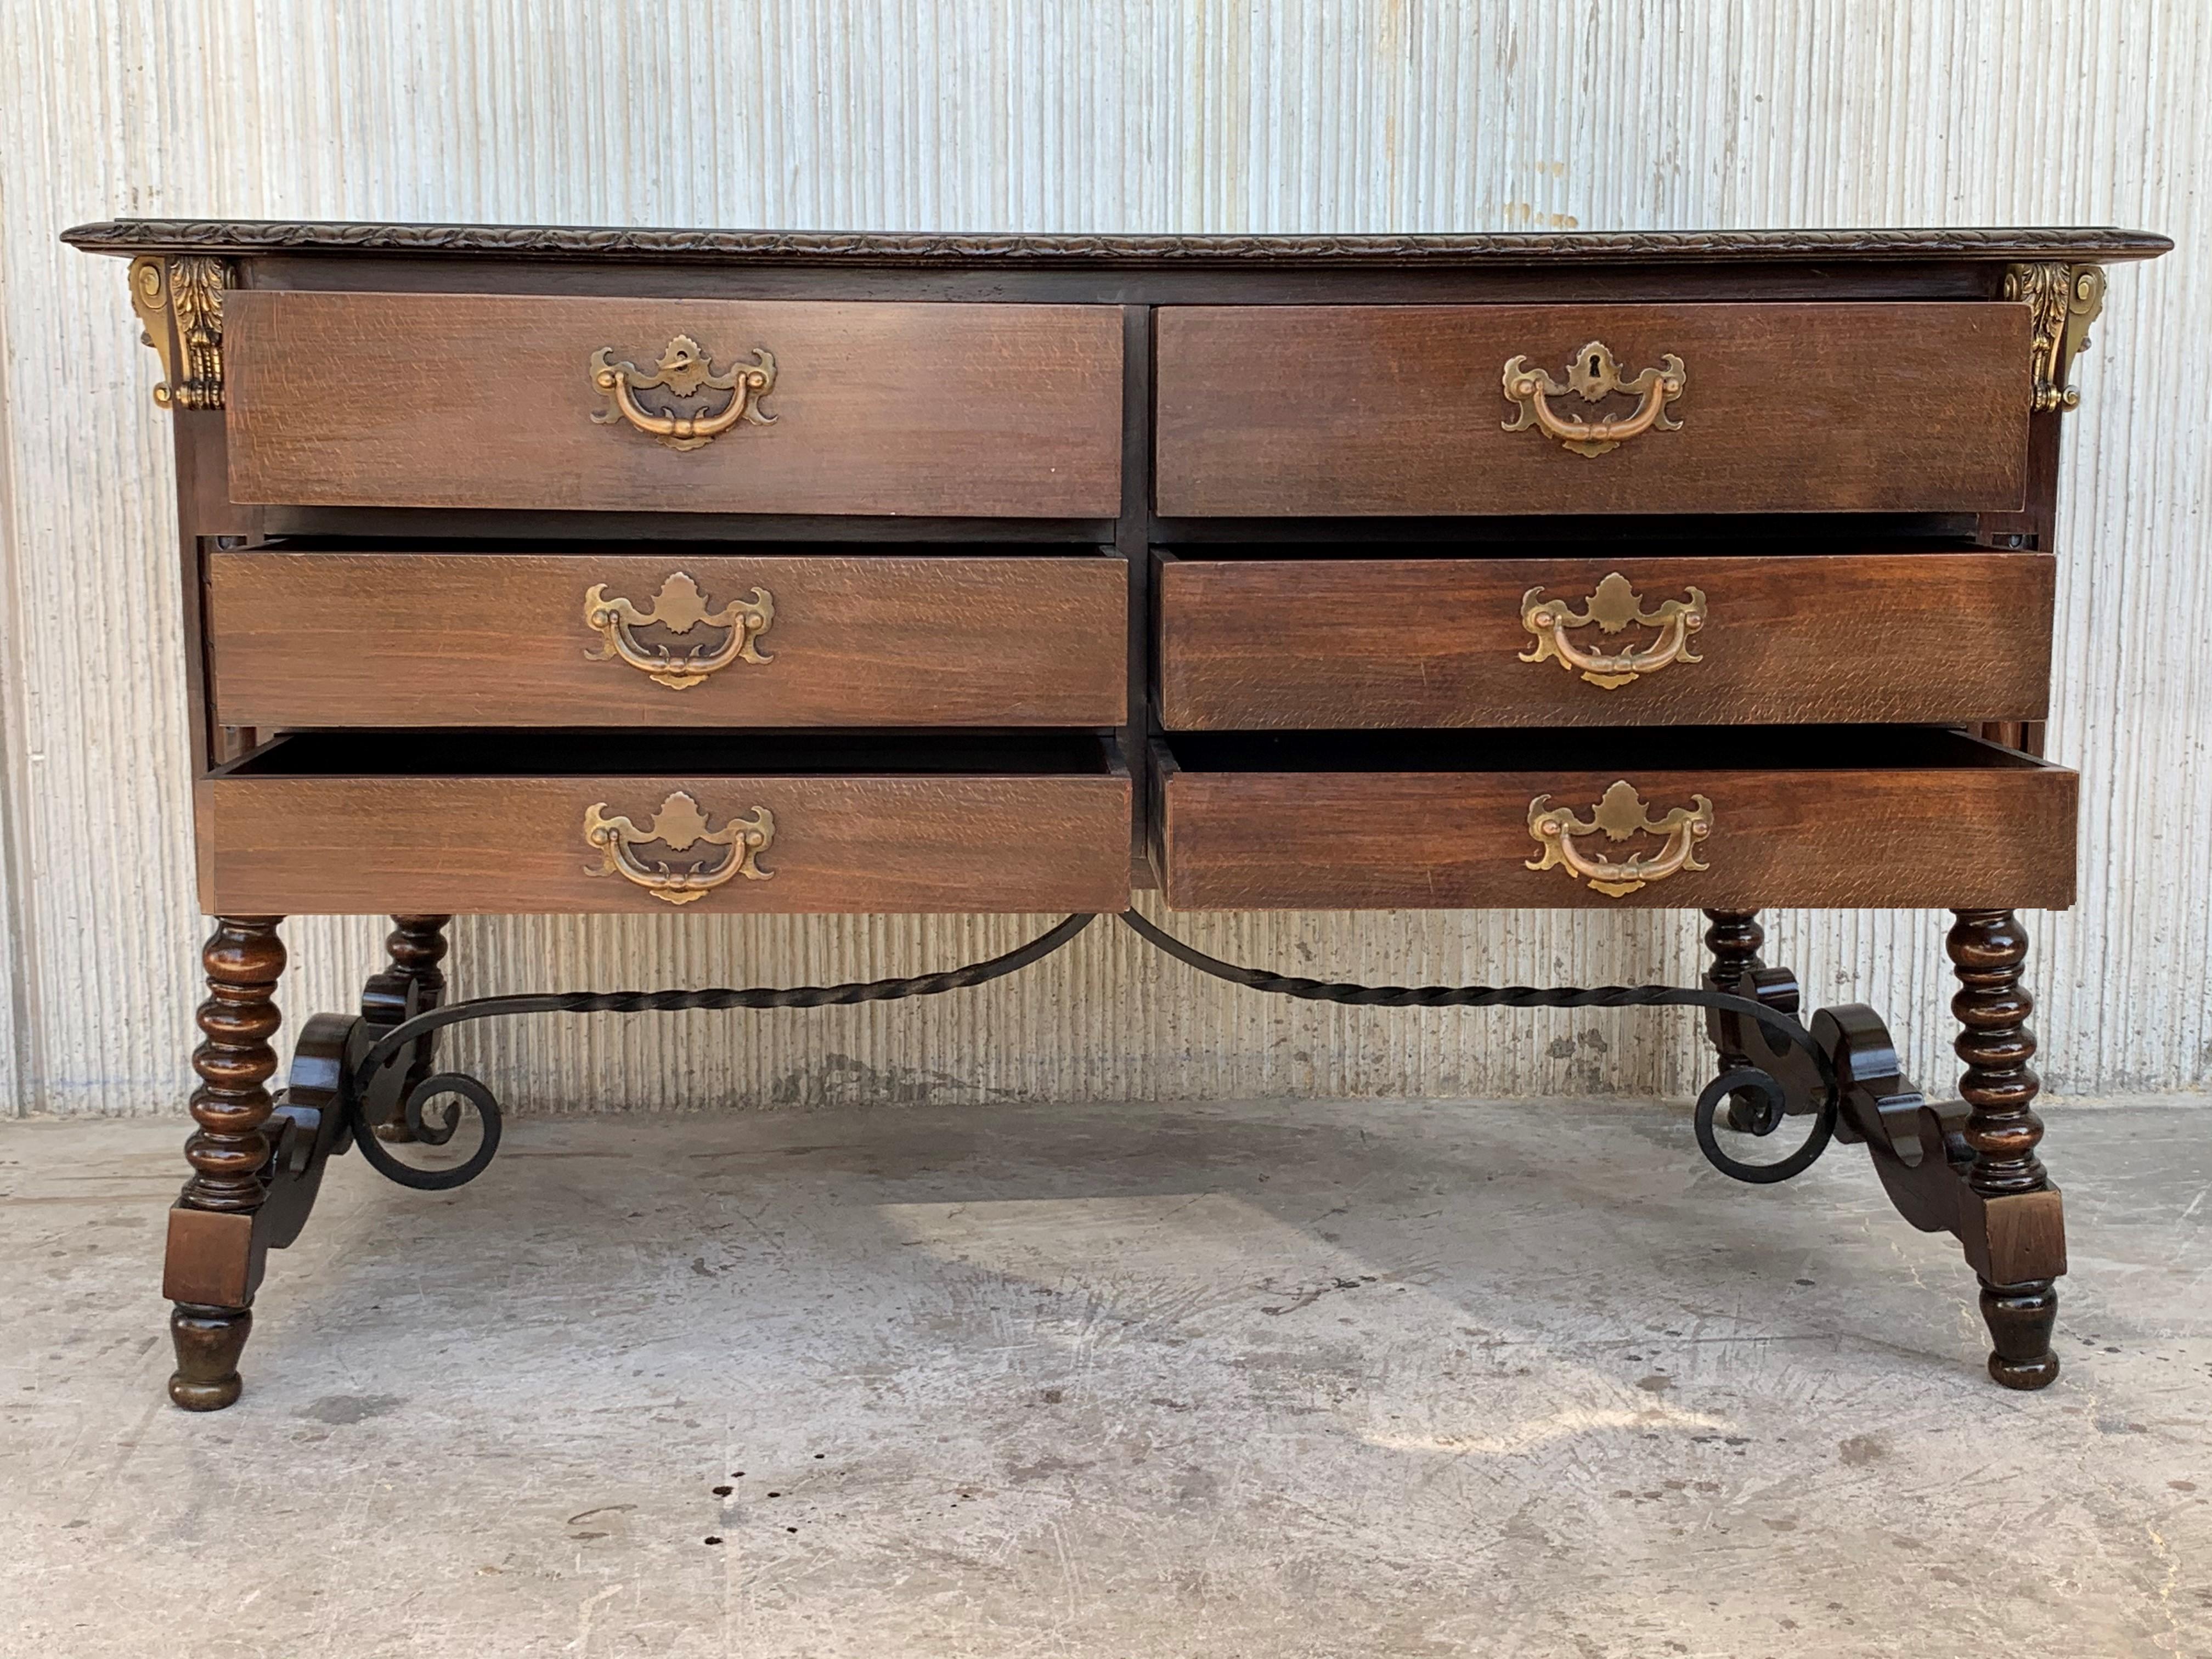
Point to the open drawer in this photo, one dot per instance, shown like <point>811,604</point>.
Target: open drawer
<point>1736,817</point>
<point>635,634</point>
<point>557,822</point>
<point>1672,635</point>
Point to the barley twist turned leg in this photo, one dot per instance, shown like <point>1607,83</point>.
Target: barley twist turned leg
<point>212,1262</point>
<point>2015,1234</point>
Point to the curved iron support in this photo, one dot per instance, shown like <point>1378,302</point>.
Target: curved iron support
<point>1809,1086</point>
<point>1775,1096</point>
<point>371,1072</point>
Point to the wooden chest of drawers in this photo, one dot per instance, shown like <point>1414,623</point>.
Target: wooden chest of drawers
<point>532,570</point>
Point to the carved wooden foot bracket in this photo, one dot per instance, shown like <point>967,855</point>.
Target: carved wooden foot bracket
<point>1965,1167</point>
<point>257,1159</point>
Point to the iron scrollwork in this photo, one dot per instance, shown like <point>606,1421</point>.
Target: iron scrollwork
<point>1801,1080</point>
<point>350,1071</point>
<point>347,1071</point>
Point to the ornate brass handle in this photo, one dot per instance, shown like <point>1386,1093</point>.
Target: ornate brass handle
<point>679,607</point>
<point>685,367</point>
<point>1620,813</point>
<point>1614,606</point>
<point>679,825</point>
<point>1596,374</point>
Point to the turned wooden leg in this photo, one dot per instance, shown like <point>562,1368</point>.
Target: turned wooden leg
<point>2012,1228</point>
<point>415,982</point>
<point>214,1259</point>
<point>1734,940</point>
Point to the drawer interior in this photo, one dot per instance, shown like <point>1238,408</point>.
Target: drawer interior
<point>556,822</point>
<point>325,633</point>
<point>1736,748</point>
<point>1741,817</point>
<point>674,550</point>
<point>1567,540</point>
<point>587,754</point>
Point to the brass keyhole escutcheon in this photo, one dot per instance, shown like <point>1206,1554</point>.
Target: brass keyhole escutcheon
<point>1596,374</point>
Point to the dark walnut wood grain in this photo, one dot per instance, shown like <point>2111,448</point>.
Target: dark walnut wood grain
<point>208,1271</point>
<point>468,639</point>
<point>486,400</point>
<point>1366,825</point>
<point>500,843</point>
<point>2015,1229</point>
<point>1338,410</point>
<point>1905,636</point>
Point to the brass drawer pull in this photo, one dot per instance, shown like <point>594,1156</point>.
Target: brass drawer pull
<point>1620,813</point>
<point>1614,606</point>
<point>679,826</point>
<point>685,367</point>
<point>679,607</point>
<point>1596,374</point>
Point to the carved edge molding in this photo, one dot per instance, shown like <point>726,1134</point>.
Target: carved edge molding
<point>180,301</point>
<point>2064,300</point>
<point>174,236</point>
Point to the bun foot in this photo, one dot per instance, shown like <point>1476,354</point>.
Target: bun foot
<point>2020,1318</point>
<point>208,1341</point>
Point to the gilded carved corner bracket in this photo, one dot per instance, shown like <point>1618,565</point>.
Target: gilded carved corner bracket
<point>180,301</point>
<point>2063,300</point>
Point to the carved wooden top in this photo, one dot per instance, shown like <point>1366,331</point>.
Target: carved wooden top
<point>234,237</point>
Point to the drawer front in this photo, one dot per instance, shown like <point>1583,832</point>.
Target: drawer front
<point>1331,410</point>
<point>1730,836</point>
<point>282,845</point>
<point>1925,637</point>
<point>576,639</point>
<point>491,401</point>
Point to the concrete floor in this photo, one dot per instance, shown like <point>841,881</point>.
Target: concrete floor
<point>1272,1381</point>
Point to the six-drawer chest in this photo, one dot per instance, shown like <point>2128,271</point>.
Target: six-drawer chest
<point>569,570</point>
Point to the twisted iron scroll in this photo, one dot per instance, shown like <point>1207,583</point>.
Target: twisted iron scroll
<point>1767,1104</point>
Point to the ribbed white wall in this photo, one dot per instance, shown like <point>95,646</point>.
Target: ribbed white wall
<point>1271,115</point>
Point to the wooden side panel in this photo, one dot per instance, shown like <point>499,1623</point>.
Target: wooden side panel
<point>1946,838</point>
<point>472,639</point>
<point>1338,410</point>
<point>398,845</point>
<point>486,400</point>
<point>1925,637</point>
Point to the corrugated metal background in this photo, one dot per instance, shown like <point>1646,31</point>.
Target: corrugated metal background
<point>1111,115</point>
